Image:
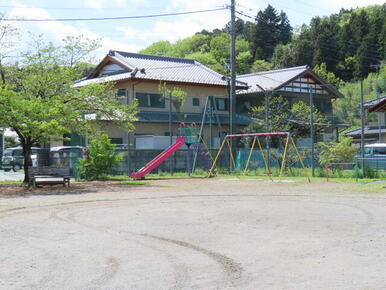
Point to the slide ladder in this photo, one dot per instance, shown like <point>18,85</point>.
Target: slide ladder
<point>180,141</point>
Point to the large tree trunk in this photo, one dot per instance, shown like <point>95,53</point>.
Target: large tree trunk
<point>27,160</point>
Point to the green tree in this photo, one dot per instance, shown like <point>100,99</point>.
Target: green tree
<point>175,94</point>
<point>330,77</point>
<point>11,141</point>
<point>285,118</point>
<point>271,29</point>
<point>158,48</point>
<point>9,35</point>
<point>100,158</point>
<point>45,104</point>
<point>343,151</point>
<point>261,65</point>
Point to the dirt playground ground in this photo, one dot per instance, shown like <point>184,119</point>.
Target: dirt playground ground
<point>195,234</point>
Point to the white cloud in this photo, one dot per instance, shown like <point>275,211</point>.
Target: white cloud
<point>55,31</point>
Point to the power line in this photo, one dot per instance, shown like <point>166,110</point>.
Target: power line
<point>114,18</point>
<point>71,8</point>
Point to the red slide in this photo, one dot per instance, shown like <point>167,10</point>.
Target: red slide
<point>160,158</point>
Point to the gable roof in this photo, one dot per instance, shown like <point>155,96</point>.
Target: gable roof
<point>153,67</point>
<point>273,80</point>
<point>376,105</point>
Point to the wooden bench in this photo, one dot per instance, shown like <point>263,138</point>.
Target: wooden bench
<point>49,175</point>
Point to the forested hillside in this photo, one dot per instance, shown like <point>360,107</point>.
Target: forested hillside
<point>342,48</point>
<point>351,43</point>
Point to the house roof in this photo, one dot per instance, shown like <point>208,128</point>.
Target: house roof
<point>368,130</point>
<point>155,68</point>
<point>275,79</point>
<point>374,101</point>
<point>376,105</point>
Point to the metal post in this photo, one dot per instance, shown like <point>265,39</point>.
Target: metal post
<point>210,121</point>
<point>128,136</point>
<point>267,129</point>
<point>170,133</point>
<point>312,132</point>
<point>379,127</point>
<point>232,105</point>
<point>362,130</point>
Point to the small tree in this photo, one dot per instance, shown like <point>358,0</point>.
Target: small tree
<point>283,117</point>
<point>343,151</point>
<point>100,158</point>
<point>175,94</point>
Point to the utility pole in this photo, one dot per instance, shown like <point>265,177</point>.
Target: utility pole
<point>170,133</point>
<point>362,131</point>
<point>312,132</point>
<point>232,101</point>
<point>267,139</point>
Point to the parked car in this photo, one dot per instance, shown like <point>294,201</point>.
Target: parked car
<point>375,156</point>
<point>375,150</point>
<point>65,155</point>
<point>13,158</point>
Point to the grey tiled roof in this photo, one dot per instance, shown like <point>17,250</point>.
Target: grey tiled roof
<point>270,80</point>
<point>153,67</point>
<point>374,101</point>
<point>368,130</point>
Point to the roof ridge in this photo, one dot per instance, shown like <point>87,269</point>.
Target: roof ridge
<point>152,56</point>
<point>273,71</point>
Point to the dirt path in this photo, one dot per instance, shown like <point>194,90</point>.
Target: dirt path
<point>195,234</point>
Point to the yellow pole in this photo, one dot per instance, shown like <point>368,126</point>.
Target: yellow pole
<point>207,148</point>
<point>264,159</point>
<point>215,159</point>
<point>249,156</point>
<point>284,156</point>
<point>300,158</point>
<point>230,152</point>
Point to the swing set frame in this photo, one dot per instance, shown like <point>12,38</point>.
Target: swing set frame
<point>288,140</point>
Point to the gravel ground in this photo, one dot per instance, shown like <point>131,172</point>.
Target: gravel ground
<point>195,234</point>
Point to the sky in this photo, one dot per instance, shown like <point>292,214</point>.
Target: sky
<point>135,34</point>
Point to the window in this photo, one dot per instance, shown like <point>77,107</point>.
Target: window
<point>222,104</point>
<point>116,141</point>
<point>121,93</point>
<point>379,150</point>
<point>196,102</point>
<point>150,100</point>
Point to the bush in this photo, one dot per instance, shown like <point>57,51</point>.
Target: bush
<point>343,151</point>
<point>100,158</point>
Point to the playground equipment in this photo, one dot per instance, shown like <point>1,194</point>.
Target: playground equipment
<point>288,142</point>
<point>187,136</point>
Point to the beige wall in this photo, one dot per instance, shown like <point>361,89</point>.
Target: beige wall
<point>200,92</point>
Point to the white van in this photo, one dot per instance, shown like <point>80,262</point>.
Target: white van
<point>375,156</point>
<point>375,150</point>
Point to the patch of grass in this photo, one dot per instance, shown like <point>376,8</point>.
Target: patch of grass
<point>10,182</point>
<point>134,182</point>
<point>369,188</point>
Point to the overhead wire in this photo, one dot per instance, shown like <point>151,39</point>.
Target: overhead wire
<point>112,18</point>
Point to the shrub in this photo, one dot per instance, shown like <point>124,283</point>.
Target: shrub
<point>343,151</point>
<point>100,158</point>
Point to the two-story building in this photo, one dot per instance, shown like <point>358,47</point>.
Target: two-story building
<point>373,131</point>
<point>138,76</point>
<point>295,84</point>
